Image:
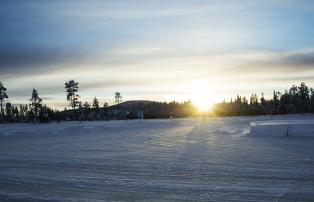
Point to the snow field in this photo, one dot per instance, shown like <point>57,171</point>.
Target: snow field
<point>210,159</point>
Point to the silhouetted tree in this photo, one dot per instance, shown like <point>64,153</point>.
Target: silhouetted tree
<point>23,112</point>
<point>118,98</point>
<point>36,104</point>
<point>45,114</point>
<point>276,97</point>
<point>81,110</point>
<point>263,104</point>
<point>254,105</point>
<point>95,103</point>
<point>297,99</point>
<point>304,97</point>
<point>8,111</point>
<point>86,109</point>
<point>86,105</point>
<point>311,104</point>
<point>3,95</point>
<point>72,96</point>
<point>293,94</point>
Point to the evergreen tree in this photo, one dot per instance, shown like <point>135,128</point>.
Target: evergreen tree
<point>118,98</point>
<point>86,109</point>
<point>297,99</point>
<point>284,103</point>
<point>16,115</point>
<point>3,95</point>
<point>86,105</point>
<point>95,114</point>
<point>80,109</point>
<point>9,111</point>
<point>263,104</point>
<point>36,104</point>
<point>95,103</point>
<point>44,114</point>
<point>72,96</point>
<point>276,95</point>
<point>293,94</point>
<point>311,102</point>
<point>304,95</point>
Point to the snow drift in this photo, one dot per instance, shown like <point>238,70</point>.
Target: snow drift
<point>283,128</point>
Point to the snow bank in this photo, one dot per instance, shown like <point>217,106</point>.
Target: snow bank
<point>283,128</point>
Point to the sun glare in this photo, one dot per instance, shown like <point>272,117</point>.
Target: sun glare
<point>202,95</point>
<point>203,105</point>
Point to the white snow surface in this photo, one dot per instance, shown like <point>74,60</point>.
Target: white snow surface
<point>200,159</point>
<point>286,128</point>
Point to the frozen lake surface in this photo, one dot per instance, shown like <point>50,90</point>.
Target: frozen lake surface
<point>154,160</point>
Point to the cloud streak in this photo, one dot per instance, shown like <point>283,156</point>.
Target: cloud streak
<point>288,61</point>
<point>154,47</point>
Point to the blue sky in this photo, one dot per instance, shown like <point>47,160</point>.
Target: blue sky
<point>157,50</point>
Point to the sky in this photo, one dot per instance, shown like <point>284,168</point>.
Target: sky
<point>154,50</point>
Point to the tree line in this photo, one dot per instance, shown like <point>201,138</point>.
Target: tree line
<point>298,99</point>
<point>37,111</point>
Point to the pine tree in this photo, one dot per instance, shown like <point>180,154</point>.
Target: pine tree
<point>3,95</point>
<point>118,99</point>
<point>16,114</point>
<point>36,104</point>
<point>8,111</point>
<point>72,96</point>
<point>284,103</point>
<point>95,103</point>
<point>304,97</point>
<point>80,109</point>
<point>293,94</point>
<point>276,97</point>
<point>86,105</point>
<point>311,103</point>
<point>86,109</point>
<point>263,104</point>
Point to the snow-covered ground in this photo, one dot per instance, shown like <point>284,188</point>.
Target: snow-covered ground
<point>285,128</point>
<point>198,159</point>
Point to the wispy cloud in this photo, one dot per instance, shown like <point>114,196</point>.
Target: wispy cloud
<point>275,61</point>
<point>154,48</point>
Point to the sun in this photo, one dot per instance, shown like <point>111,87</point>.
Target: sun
<point>202,103</point>
<point>202,94</point>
